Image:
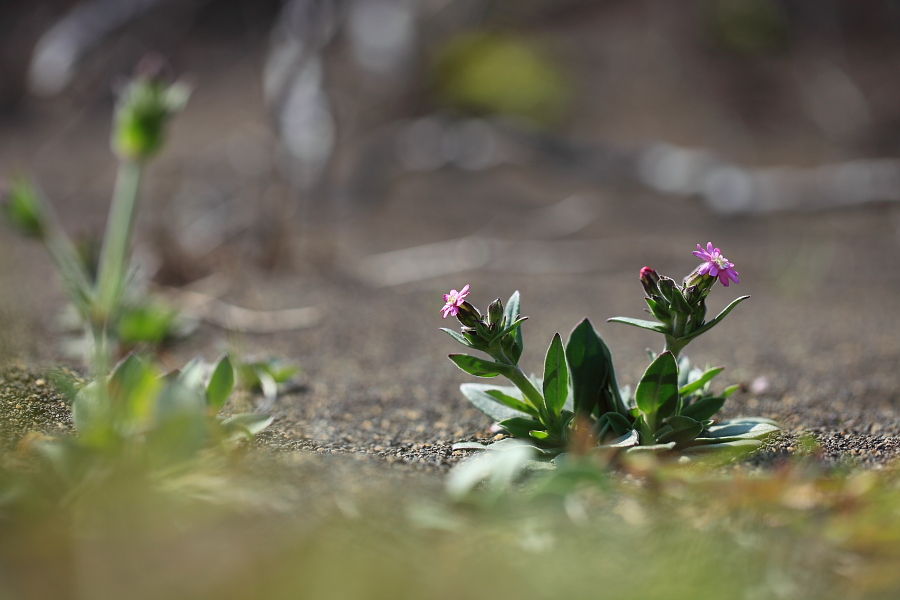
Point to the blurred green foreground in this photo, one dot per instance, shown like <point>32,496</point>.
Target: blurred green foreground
<point>254,524</point>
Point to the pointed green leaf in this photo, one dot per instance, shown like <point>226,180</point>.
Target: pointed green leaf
<point>221,383</point>
<point>650,325</point>
<point>704,408</point>
<point>657,393</point>
<point>191,374</point>
<point>740,429</point>
<point>683,430</point>
<point>477,394</point>
<point>618,423</point>
<point>697,384</point>
<point>730,390</point>
<point>479,367</point>
<point>520,427</point>
<point>457,336</point>
<point>627,440</point>
<point>511,402</point>
<point>246,424</point>
<point>710,324</point>
<point>556,377</point>
<point>590,366</point>
<point>512,310</point>
<point>651,448</point>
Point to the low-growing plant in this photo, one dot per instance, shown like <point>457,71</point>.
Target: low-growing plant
<point>144,421</point>
<point>98,289</point>
<point>672,407</point>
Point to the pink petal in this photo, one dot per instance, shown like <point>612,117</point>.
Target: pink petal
<point>713,270</point>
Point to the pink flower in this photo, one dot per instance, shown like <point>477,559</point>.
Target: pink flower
<point>453,301</point>
<point>715,264</point>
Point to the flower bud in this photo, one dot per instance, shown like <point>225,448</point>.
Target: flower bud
<point>468,315</point>
<point>495,314</point>
<point>650,281</point>
<point>144,108</point>
<point>697,286</point>
<point>22,208</point>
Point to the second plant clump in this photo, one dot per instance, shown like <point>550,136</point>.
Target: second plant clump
<point>672,407</point>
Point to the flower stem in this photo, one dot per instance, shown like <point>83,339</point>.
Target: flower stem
<point>114,254</point>
<point>521,381</point>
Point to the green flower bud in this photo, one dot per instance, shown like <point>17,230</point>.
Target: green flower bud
<point>144,108</point>
<point>22,208</point>
<point>697,286</point>
<point>469,316</point>
<point>650,280</point>
<point>495,314</point>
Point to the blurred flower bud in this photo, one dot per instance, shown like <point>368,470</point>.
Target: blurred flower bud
<point>650,281</point>
<point>495,313</point>
<point>144,108</point>
<point>22,208</point>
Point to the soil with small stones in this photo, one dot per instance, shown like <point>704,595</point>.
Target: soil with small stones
<point>817,347</point>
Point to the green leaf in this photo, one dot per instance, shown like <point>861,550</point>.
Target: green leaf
<point>684,429</point>
<point>23,209</point>
<point>191,374</point>
<point>538,434</point>
<point>178,399</point>
<point>477,394</point>
<point>590,366</point>
<point>556,377</point>
<point>650,325</point>
<point>710,324</point>
<point>246,424</point>
<point>629,439</point>
<point>651,448</point>
<point>704,408</point>
<point>739,446</point>
<point>697,384</point>
<point>221,383</point>
<point>468,446</point>
<point>657,393</point>
<point>510,312</point>
<point>479,367</point>
<point>730,390</point>
<point>618,423</point>
<point>510,401</point>
<point>458,337</point>
<point>747,428</point>
<point>521,427</point>
<point>133,389</point>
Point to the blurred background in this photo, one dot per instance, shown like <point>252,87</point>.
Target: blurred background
<point>362,157</point>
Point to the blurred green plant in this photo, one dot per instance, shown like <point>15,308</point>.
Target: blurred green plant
<point>579,397</point>
<point>145,106</point>
<point>498,74</point>
<point>266,376</point>
<point>140,420</point>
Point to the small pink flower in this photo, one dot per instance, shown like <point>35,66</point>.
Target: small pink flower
<point>715,264</point>
<point>453,301</point>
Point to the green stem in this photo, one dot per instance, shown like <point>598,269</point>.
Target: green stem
<point>114,255</point>
<point>521,381</point>
<point>674,345</point>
